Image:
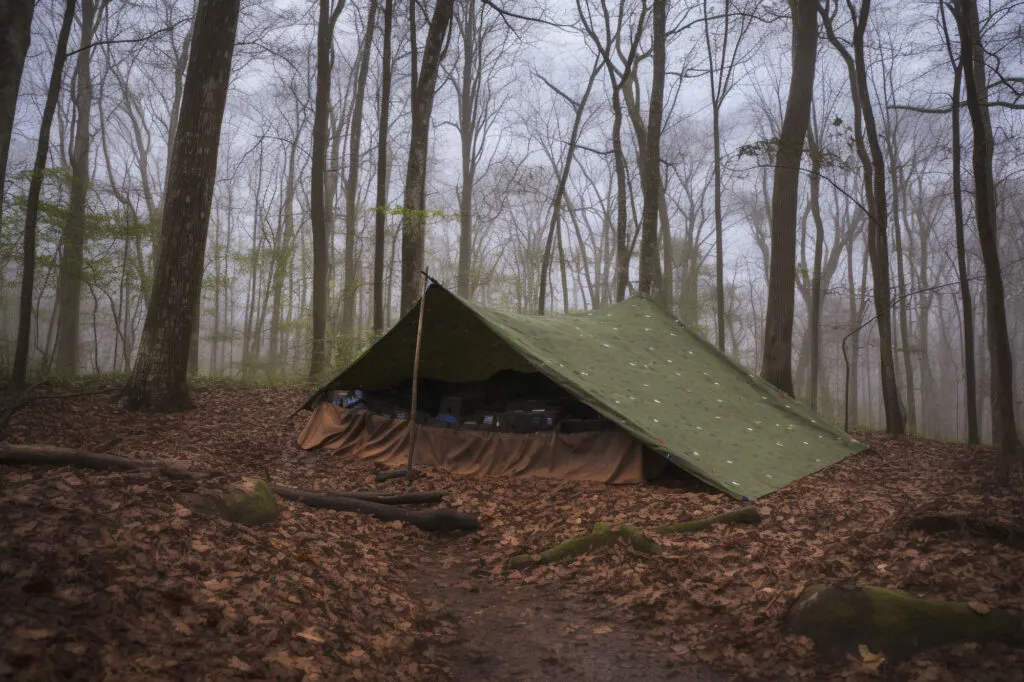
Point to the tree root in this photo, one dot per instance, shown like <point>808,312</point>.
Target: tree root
<point>381,506</point>
<point>841,621</point>
<point>604,534</point>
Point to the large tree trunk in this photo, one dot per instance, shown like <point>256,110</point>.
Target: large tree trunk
<point>348,293</point>
<point>19,371</point>
<point>15,36</point>
<point>622,252</point>
<point>972,56</point>
<point>777,358</point>
<point>467,130</point>
<point>159,379</point>
<point>650,275</point>
<point>414,218</point>
<point>318,208</point>
<point>381,204</point>
<point>72,242</point>
<point>966,301</point>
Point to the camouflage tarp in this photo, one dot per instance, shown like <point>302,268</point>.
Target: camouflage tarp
<point>638,367</point>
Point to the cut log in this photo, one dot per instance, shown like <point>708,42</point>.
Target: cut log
<point>840,621</point>
<point>378,506</point>
<point>748,515</point>
<point>436,520</point>
<point>602,535</point>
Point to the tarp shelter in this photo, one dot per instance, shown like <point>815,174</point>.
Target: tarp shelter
<point>660,382</point>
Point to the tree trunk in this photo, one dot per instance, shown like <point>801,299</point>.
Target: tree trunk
<point>467,129</point>
<point>777,358</point>
<point>318,190</point>
<point>622,253</point>
<point>159,379</point>
<point>414,218</point>
<point>563,180</point>
<point>348,293</point>
<point>72,241</point>
<point>873,167</point>
<point>381,213</point>
<point>972,56</point>
<point>966,302</point>
<point>814,315</point>
<point>650,276</point>
<point>901,286</point>
<point>19,371</point>
<point>15,36</point>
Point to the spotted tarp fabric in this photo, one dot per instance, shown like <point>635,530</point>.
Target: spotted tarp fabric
<point>636,365</point>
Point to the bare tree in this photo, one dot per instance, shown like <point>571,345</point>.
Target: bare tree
<point>72,251</point>
<point>19,371</point>
<point>578,107</point>
<point>328,17</point>
<point>972,57</point>
<point>159,378</point>
<point>966,300</point>
<point>869,151</point>
<point>414,218</point>
<point>380,207</point>
<point>650,282</point>
<point>724,56</point>
<point>15,36</point>
<point>777,362</point>
<point>352,181</point>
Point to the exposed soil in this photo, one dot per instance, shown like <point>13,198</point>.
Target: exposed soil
<point>524,632</point>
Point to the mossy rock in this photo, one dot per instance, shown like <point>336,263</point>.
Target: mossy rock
<point>840,620</point>
<point>250,502</point>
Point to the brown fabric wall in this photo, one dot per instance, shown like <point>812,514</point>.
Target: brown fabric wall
<point>604,456</point>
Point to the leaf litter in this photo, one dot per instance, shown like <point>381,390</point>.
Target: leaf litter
<point>112,575</point>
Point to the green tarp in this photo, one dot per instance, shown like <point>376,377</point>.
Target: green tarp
<point>638,367</point>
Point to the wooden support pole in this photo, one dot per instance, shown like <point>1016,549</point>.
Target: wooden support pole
<point>416,375</point>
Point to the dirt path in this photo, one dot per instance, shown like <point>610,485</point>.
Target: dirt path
<point>500,631</point>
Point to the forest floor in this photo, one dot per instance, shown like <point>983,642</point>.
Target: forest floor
<point>110,576</point>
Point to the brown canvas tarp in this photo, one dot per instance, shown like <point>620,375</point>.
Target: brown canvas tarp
<point>611,456</point>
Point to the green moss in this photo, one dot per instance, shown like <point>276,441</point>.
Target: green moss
<point>748,515</point>
<point>602,535</point>
<point>251,502</point>
<point>896,623</point>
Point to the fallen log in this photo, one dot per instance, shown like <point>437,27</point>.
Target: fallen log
<point>434,520</point>
<point>972,525</point>
<point>380,506</point>
<point>427,497</point>
<point>604,534</point>
<point>748,515</point>
<point>45,455</point>
<point>382,476</point>
<point>840,621</point>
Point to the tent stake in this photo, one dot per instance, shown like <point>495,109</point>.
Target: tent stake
<point>416,376</point>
